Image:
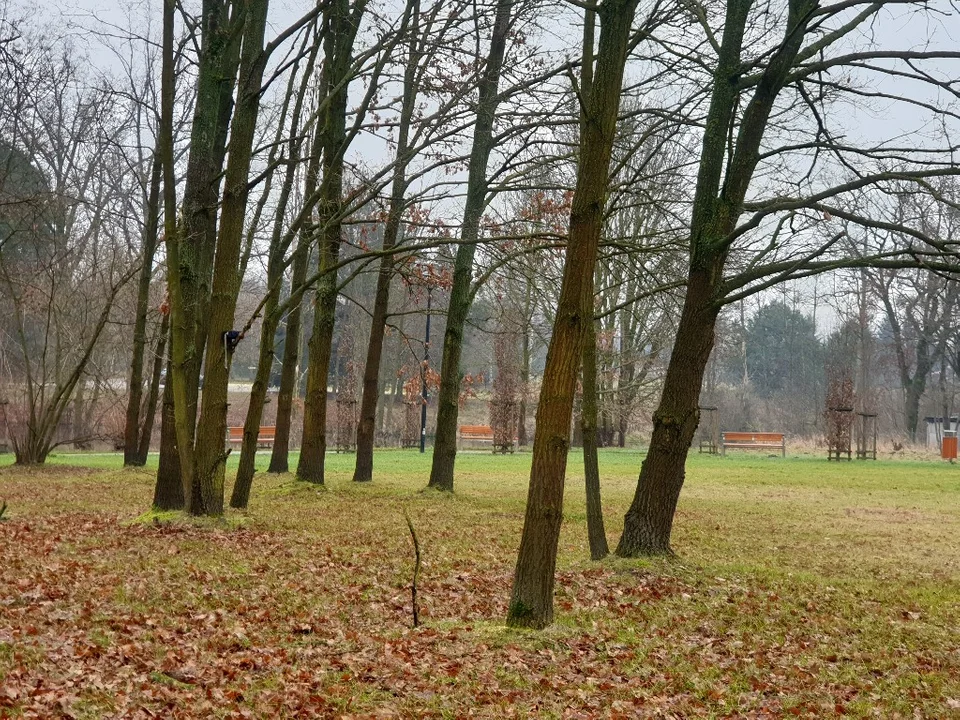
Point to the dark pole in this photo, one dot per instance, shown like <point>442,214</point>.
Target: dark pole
<point>423,378</point>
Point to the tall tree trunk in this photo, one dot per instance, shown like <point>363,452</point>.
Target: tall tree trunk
<point>461,292</point>
<point>168,490</point>
<point>371,395</point>
<point>724,176</point>
<point>279,243</point>
<point>191,247</point>
<point>131,433</point>
<point>338,51</point>
<point>596,533</point>
<point>313,445</point>
<point>279,457</point>
<point>153,394</point>
<point>531,604</point>
<point>210,458</point>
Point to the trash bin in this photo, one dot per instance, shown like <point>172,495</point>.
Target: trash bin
<point>948,446</point>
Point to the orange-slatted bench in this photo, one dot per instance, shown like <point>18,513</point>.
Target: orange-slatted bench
<point>265,436</point>
<point>753,441</point>
<point>476,433</point>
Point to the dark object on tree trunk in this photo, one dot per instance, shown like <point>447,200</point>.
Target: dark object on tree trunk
<point>416,570</point>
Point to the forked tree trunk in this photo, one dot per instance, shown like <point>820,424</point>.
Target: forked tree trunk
<point>210,458</point>
<point>191,244</point>
<point>461,292</point>
<point>531,604</point>
<point>724,176</point>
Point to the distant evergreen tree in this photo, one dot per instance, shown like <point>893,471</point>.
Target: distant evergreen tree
<point>784,354</point>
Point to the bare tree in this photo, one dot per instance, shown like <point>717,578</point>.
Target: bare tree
<point>773,74</point>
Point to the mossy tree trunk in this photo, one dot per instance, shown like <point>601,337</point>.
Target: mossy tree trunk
<point>371,394</point>
<point>342,26</point>
<point>728,159</point>
<point>531,604</point>
<point>461,292</point>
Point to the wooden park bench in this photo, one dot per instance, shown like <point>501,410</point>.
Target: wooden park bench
<point>476,433</point>
<point>265,436</point>
<point>753,441</point>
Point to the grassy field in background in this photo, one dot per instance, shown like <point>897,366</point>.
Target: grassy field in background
<point>800,588</point>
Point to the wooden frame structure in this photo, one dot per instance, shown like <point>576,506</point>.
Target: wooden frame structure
<point>866,436</point>
<point>709,429</point>
<point>839,433</point>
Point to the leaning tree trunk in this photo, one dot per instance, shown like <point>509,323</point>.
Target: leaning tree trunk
<point>461,293</point>
<point>531,604</point>
<point>649,520</point>
<point>279,243</point>
<point>258,397</point>
<point>729,157</point>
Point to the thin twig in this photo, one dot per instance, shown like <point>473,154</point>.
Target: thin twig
<point>416,569</point>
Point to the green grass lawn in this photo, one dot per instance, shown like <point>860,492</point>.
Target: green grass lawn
<point>800,588</point>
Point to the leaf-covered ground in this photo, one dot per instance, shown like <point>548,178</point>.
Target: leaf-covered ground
<point>800,589</point>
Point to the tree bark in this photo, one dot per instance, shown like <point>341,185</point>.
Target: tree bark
<point>279,457</point>
<point>649,521</point>
<point>132,427</point>
<point>596,533</point>
<point>371,395</point>
<point>153,394</point>
<point>338,51</point>
<point>461,293</point>
<point>168,490</point>
<point>725,172</point>
<point>531,604</point>
<point>210,457</point>
<point>279,243</point>
<point>190,248</point>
